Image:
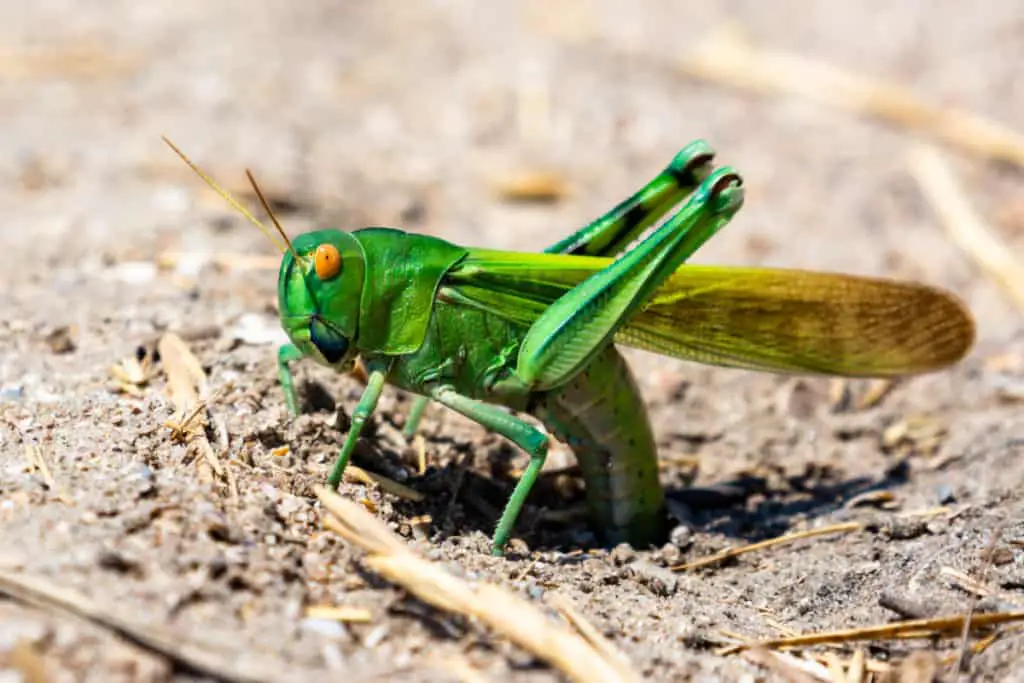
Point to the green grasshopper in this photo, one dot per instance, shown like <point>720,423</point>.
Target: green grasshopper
<point>492,334</point>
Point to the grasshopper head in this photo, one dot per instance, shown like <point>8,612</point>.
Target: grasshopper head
<point>319,290</point>
<point>320,284</point>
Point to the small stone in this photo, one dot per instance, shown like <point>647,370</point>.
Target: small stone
<point>118,563</point>
<point>1002,555</point>
<point>11,676</point>
<point>133,272</point>
<point>342,421</point>
<point>660,581</point>
<point>517,547</point>
<point>11,393</point>
<point>904,529</point>
<point>622,554</point>
<point>681,536</point>
<point>61,339</point>
<point>671,554</point>
<point>945,494</point>
<point>258,330</point>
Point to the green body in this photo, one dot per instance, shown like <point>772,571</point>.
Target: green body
<point>471,350</point>
<point>482,331</point>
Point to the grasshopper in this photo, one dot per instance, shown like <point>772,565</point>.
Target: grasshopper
<point>497,334</point>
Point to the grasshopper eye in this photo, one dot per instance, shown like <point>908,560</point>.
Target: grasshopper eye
<point>327,261</point>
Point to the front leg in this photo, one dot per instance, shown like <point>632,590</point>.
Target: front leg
<point>519,432</point>
<point>377,374</point>
<point>285,355</point>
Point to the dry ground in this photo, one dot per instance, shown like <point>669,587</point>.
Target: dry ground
<point>407,114</point>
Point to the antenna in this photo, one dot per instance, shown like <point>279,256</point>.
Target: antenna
<point>270,212</point>
<point>226,196</point>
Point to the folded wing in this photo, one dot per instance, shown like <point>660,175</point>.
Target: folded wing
<point>786,321</point>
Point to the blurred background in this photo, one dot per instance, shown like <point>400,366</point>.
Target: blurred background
<point>429,115</point>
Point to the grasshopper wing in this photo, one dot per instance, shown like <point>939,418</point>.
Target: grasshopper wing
<point>786,321</point>
<point>802,322</point>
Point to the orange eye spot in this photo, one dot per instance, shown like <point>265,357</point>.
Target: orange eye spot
<point>327,261</point>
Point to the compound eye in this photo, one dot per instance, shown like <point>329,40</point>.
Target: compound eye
<point>327,261</point>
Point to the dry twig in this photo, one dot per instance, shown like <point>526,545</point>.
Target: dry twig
<point>35,457</point>
<point>185,380</point>
<point>510,615</point>
<point>938,627</point>
<point>729,553</point>
<point>586,629</point>
<point>358,474</point>
<point>962,661</point>
<point>962,223</point>
<point>346,613</point>
<point>532,185</point>
<point>218,665</point>
<point>725,59</point>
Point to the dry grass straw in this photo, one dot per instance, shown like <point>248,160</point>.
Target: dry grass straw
<point>204,660</point>
<point>37,460</point>
<point>962,662</point>
<point>586,629</point>
<point>344,613</point>
<point>531,185</point>
<point>80,60</point>
<point>185,380</point>
<point>367,478</point>
<point>729,553</point>
<point>794,668</point>
<point>963,224</point>
<point>966,583</point>
<point>937,627</point>
<point>726,59</point>
<point>508,614</point>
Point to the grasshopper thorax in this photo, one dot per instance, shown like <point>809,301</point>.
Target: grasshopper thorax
<point>319,289</point>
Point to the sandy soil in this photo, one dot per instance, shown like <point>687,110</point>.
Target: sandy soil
<point>407,114</point>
